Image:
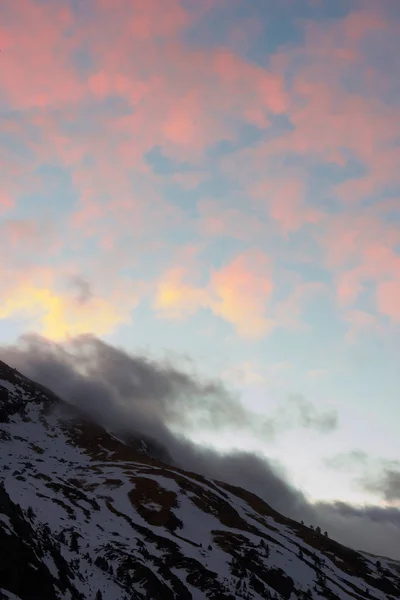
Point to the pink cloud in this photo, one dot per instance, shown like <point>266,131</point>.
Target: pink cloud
<point>239,293</point>
<point>5,202</point>
<point>143,20</point>
<point>281,196</point>
<point>28,242</point>
<point>184,100</point>
<point>36,69</point>
<point>377,263</point>
<point>330,123</point>
<point>218,220</point>
<point>331,119</point>
<point>388,297</point>
<point>286,204</point>
<point>243,79</point>
<point>362,250</point>
<point>184,125</point>
<point>349,286</point>
<point>16,232</point>
<point>348,237</point>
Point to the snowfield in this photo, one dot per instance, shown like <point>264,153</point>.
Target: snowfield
<point>83,516</point>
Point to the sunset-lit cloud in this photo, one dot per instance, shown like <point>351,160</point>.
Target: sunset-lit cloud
<point>59,317</point>
<point>175,298</point>
<point>241,291</point>
<point>127,120</point>
<point>5,202</point>
<point>389,298</point>
<point>238,292</point>
<point>221,221</point>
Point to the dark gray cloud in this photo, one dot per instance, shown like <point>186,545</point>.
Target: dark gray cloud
<point>307,415</point>
<point>386,484</point>
<point>391,485</point>
<point>372,529</point>
<point>83,289</point>
<point>376,475</point>
<point>133,394</point>
<point>104,379</point>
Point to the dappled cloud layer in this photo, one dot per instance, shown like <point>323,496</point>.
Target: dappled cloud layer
<point>173,155</point>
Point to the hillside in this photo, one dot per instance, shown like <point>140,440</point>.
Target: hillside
<point>85,516</point>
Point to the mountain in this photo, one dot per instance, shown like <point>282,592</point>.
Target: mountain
<point>84,515</point>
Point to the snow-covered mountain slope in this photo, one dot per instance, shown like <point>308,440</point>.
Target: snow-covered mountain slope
<point>83,515</point>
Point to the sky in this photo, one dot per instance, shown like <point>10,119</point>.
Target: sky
<point>216,184</point>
